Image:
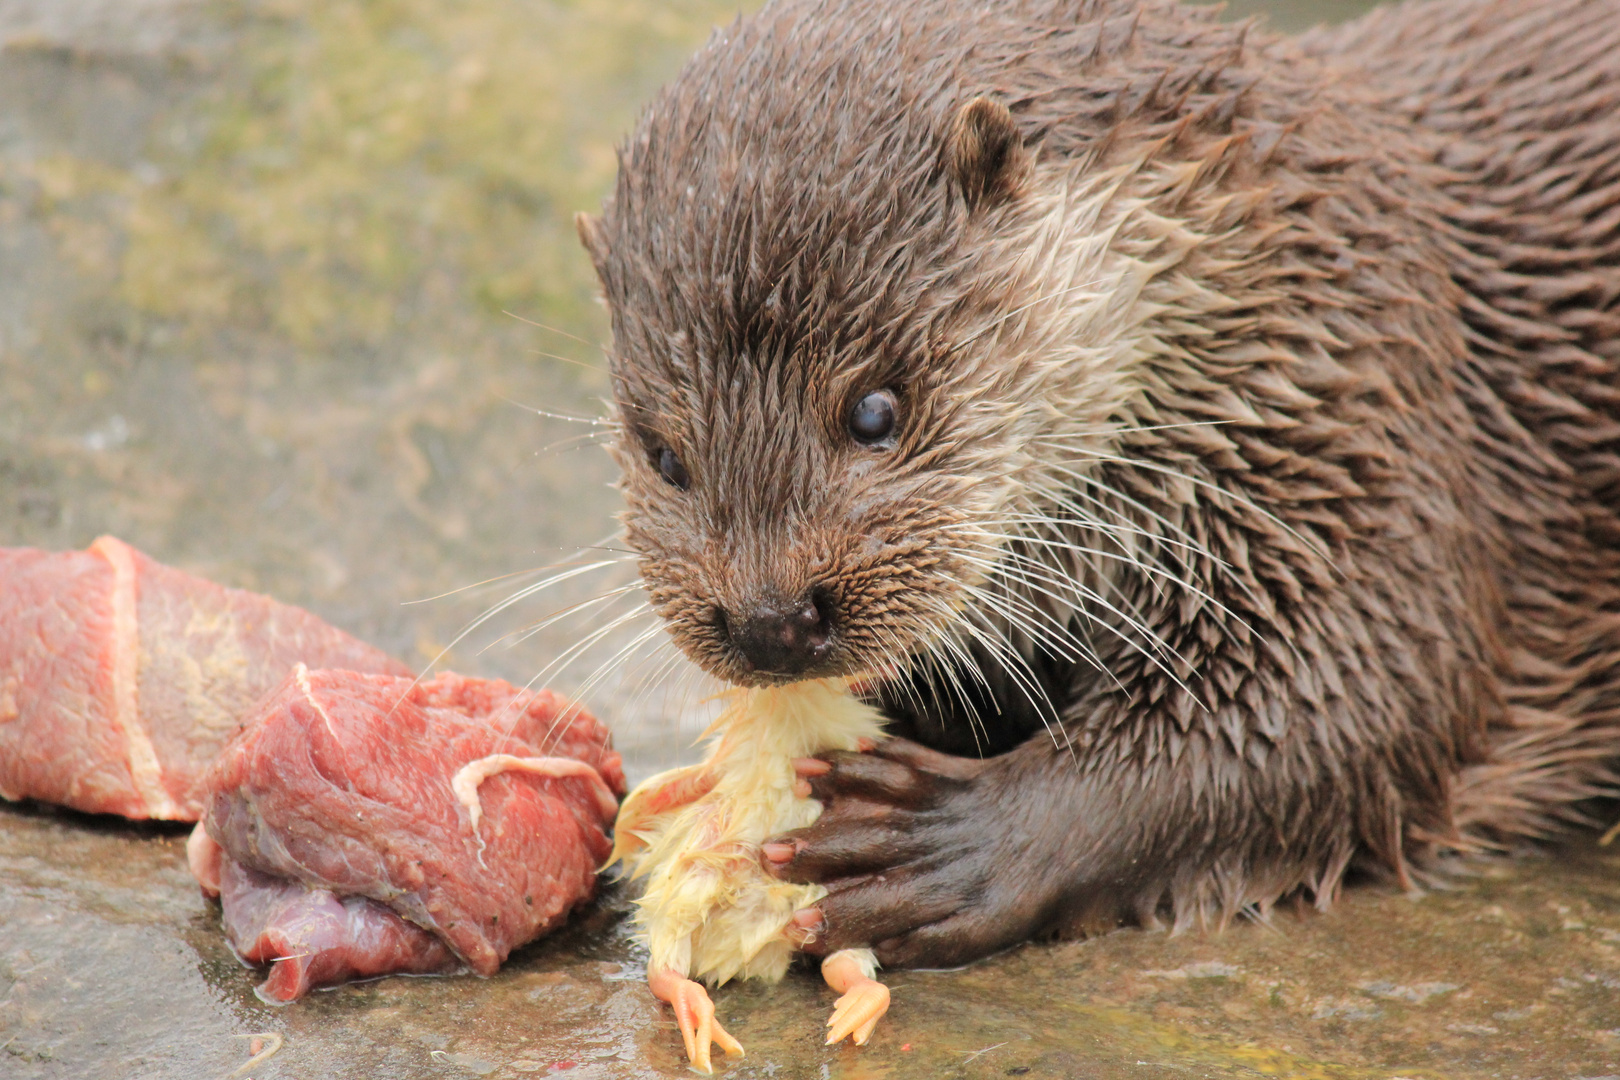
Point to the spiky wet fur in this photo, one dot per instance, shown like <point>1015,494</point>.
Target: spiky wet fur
<point>1269,431</point>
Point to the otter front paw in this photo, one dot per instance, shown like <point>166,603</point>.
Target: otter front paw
<point>919,856</point>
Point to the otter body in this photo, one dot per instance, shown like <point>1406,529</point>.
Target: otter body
<point>1205,444</point>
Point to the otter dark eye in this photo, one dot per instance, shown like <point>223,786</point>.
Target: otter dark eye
<point>670,468</point>
<point>872,419</point>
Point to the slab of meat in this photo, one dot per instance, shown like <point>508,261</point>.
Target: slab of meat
<point>312,937</point>
<point>121,678</point>
<point>369,824</point>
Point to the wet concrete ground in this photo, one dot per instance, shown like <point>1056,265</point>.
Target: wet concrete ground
<point>269,280</point>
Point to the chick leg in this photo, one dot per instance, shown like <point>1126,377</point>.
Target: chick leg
<point>864,999</point>
<point>694,1012</point>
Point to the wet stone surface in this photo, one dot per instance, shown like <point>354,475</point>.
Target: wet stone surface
<point>112,965</point>
<point>256,265</point>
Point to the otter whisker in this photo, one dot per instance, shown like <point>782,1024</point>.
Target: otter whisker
<point>1160,646</point>
<point>521,595</point>
<point>1007,545</point>
<point>626,654</point>
<point>1078,608</point>
<point>1075,603</point>
<point>905,665</point>
<point>672,686</point>
<point>551,329</point>
<point>1053,507</point>
<point>1025,526</point>
<point>1003,559</point>
<point>655,679</point>
<point>524,633</point>
<point>692,684</point>
<point>1063,499</point>
<point>949,642</point>
<point>661,658</point>
<point>1123,525</point>
<point>675,690</point>
<point>1089,654</point>
<point>1241,581</point>
<point>1064,643</point>
<point>1146,568</point>
<point>1063,525</point>
<point>1067,576</point>
<point>556,579</point>
<point>1154,575</point>
<point>1024,632</point>
<point>1018,669</point>
<point>575,442</point>
<point>567,656</point>
<point>1193,545</point>
<point>564,359</point>
<point>1082,649</point>
<point>951,672</point>
<point>480,584</point>
<point>577,700</point>
<point>1314,545</point>
<point>562,659</point>
<point>595,421</point>
<point>618,658</point>
<point>1083,433</point>
<point>495,609</point>
<point>933,635</point>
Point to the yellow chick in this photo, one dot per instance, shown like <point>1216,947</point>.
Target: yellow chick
<point>708,910</point>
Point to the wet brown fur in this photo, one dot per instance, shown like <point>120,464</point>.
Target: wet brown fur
<point>1341,383</point>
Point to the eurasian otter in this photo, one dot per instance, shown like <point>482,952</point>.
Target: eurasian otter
<point>1207,443</point>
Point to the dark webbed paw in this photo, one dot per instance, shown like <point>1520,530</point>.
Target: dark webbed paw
<point>913,846</point>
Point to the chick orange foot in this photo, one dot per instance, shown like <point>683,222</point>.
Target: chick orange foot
<point>694,1012</point>
<point>863,1002</point>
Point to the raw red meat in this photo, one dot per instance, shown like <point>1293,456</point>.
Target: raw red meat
<point>344,786</point>
<point>121,678</point>
<point>312,937</point>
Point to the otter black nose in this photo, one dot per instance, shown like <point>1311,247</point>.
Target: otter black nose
<point>783,637</point>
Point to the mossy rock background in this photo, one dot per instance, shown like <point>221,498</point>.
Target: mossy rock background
<point>286,282</point>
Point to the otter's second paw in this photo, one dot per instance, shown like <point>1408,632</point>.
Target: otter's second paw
<point>919,855</point>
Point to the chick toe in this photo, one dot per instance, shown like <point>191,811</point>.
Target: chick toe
<point>694,1015</point>
<point>858,1011</point>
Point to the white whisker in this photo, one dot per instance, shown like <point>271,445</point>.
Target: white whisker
<point>1207,485</point>
<point>524,633</point>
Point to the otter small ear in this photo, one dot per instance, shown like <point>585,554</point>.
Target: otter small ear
<point>590,236</point>
<point>985,154</point>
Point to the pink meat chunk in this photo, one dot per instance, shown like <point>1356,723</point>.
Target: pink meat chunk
<point>311,937</point>
<point>121,678</point>
<point>341,782</point>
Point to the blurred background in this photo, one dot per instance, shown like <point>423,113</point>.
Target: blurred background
<point>288,290</point>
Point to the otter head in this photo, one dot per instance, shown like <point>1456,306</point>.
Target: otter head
<point>860,329</point>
